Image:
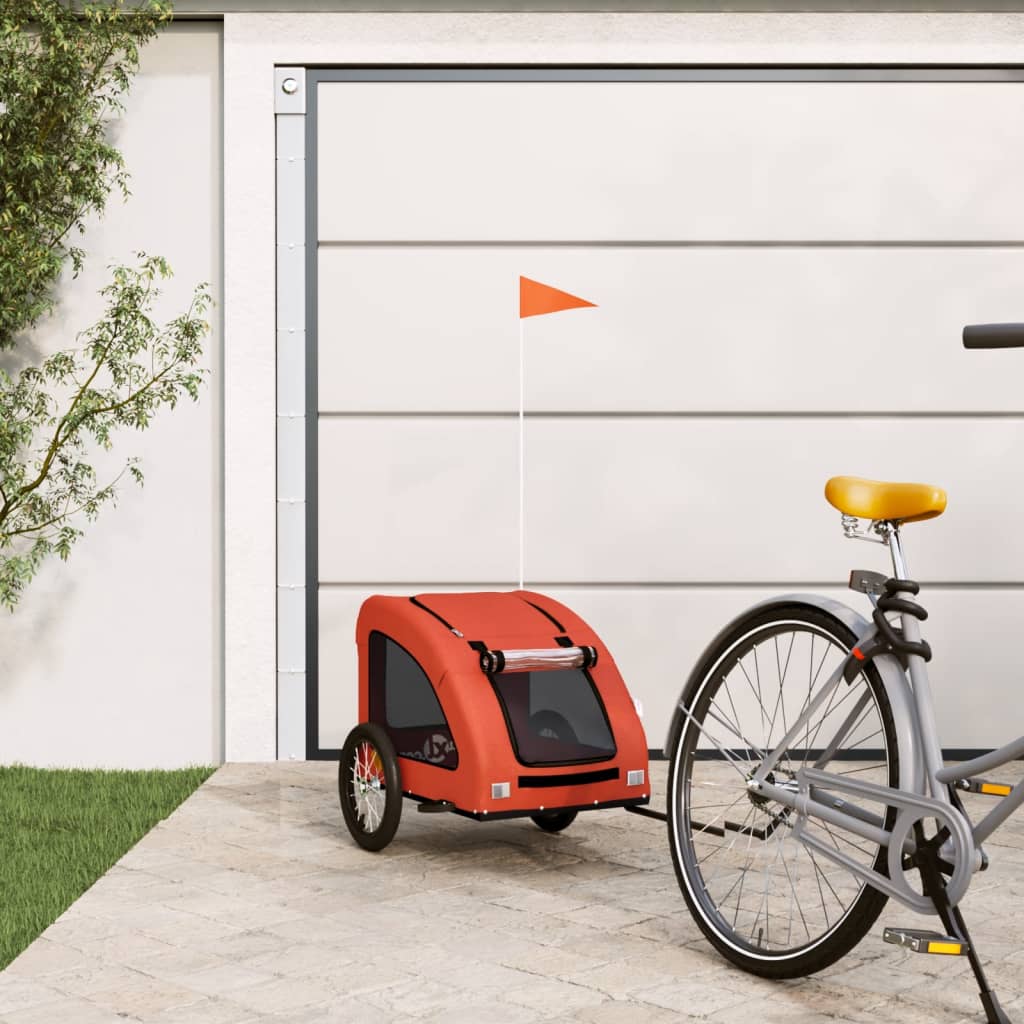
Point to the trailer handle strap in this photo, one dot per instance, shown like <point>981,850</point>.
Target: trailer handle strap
<point>542,660</point>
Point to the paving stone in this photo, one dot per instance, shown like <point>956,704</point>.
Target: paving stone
<point>234,911</point>
<point>301,960</point>
<point>177,963</point>
<point>604,917</point>
<point>348,1011</point>
<point>23,993</point>
<point>331,931</point>
<point>286,994</point>
<point>89,977</point>
<point>492,1011</point>
<point>240,947</point>
<point>126,946</point>
<point>141,996</point>
<point>626,1011</point>
<point>881,977</point>
<point>70,1009</point>
<point>205,1011</point>
<point>621,979</point>
<point>45,956</point>
<point>552,963</point>
<point>74,927</point>
<point>224,979</point>
<point>417,997</point>
<point>553,999</point>
<point>694,997</point>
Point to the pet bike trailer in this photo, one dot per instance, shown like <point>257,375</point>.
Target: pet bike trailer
<point>488,705</point>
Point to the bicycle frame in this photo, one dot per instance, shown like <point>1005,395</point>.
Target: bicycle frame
<point>925,783</point>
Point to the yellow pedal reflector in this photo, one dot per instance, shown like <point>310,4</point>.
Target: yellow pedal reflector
<point>918,940</point>
<point>995,789</point>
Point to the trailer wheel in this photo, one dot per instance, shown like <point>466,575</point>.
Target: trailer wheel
<point>551,723</point>
<point>369,786</point>
<point>553,821</point>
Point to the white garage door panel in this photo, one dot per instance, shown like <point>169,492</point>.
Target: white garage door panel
<point>680,160</point>
<point>436,329</point>
<point>415,499</point>
<point>656,636</point>
<point>662,499</point>
<point>695,500</point>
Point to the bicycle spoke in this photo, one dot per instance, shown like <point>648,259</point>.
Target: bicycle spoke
<point>756,693</point>
<point>725,754</point>
<point>718,817</point>
<point>746,743</point>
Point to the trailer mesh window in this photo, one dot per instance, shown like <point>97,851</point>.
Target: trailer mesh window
<point>554,717</point>
<point>403,700</point>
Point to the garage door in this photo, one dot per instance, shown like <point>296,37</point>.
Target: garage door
<point>781,261</point>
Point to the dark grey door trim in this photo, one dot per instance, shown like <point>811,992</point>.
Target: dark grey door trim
<point>704,73</point>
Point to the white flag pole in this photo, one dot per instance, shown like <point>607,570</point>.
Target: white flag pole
<point>522,460</point>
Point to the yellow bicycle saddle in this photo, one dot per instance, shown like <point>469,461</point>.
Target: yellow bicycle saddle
<point>872,499</point>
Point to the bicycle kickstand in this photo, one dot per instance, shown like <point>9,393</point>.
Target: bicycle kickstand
<point>953,922</point>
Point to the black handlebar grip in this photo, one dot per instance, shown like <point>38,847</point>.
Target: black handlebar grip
<point>994,336</point>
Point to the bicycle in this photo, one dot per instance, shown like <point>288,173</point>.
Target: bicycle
<point>806,785</point>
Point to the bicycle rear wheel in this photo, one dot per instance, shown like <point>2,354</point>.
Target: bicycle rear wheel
<point>765,901</point>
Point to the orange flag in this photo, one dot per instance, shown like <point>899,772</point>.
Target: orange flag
<point>535,299</point>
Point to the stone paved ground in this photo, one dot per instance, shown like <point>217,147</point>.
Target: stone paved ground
<point>251,904</point>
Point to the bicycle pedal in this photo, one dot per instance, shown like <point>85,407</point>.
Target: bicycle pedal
<point>919,941</point>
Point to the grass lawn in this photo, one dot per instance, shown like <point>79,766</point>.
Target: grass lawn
<point>60,830</point>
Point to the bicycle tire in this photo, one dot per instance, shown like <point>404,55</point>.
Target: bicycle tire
<point>754,952</point>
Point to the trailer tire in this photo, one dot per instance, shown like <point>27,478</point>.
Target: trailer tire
<point>369,786</point>
<point>548,722</point>
<point>553,821</point>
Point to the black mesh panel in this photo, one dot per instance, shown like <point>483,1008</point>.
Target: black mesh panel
<point>555,717</point>
<point>403,700</point>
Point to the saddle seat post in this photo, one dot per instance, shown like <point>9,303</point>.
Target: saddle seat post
<point>891,532</point>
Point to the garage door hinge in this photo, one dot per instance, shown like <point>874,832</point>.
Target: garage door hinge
<point>289,90</point>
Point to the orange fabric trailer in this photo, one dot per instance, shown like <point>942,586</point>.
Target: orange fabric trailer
<point>497,705</point>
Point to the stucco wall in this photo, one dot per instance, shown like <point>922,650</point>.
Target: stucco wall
<point>115,657</point>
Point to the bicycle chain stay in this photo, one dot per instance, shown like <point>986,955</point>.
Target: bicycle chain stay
<point>910,810</point>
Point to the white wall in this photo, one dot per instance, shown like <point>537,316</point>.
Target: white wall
<point>115,657</point>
